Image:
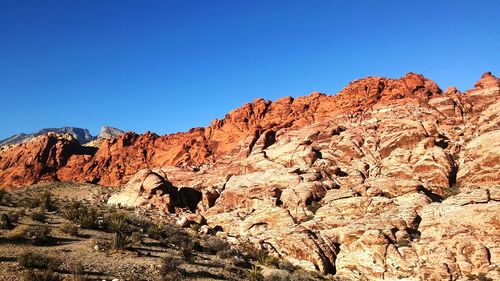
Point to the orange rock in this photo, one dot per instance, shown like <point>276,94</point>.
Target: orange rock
<point>390,178</point>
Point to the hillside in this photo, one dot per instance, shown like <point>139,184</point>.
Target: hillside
<point>389,178</point>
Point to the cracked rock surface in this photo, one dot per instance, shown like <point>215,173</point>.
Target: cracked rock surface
<point>390,178</point>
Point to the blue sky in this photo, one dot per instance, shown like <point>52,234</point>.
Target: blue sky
<point>167,66</point>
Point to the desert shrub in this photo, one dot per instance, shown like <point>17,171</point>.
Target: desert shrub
<point>76,268</point>
<point>43,200</point>
<point>121,241</point>
<point>286,265</point>
<point>136,238</point>
<point>71,211</point>
<point>35,260</point>
<point>14,216</point>
<point>186,250</point>
<point>174,236</point>
<point>17,233</point>
<point>215,245</point>
<point>271,261</point>
<point>139,222</point>
<point>80,214</point>
<point>118,222</point>
<point>254,274</point>
<point>42,275</point>
<point>252,252</point>
<point>278,276</point>
<point>156,231</point>
<point>70,228</point>
<point>38,215</point>
<point>5,222</point>
<point>170,270</point>
<point>37,234</point>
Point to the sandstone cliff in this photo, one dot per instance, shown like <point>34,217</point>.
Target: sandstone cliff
<point>390,178</point>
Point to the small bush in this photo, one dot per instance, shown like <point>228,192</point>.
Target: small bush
<point>18,233</point>
<point>186,250</point>
<point>286,265</point>
<point>121,241</point>
<point>35,260</point>
<point>271,261</point>
<point>42,275</point>
<point>174,236</point>
<point>139,222</point>
<point>71,211</point>
<point>43,201</point>
<point>5,222</point>
<point>156,231</point>
<point>16,215</point>
<point>252,252</point>
<point>278,276</point>
<point>38,215</point>
<point>136,238</point>
<point>254,274</point>
<point>170,270</point>
<point>37,234</point>
<point>76,268</point>
<point>215,245</point>
<point>70,228</point>
<point>81,215</point>
<point>118,222</point>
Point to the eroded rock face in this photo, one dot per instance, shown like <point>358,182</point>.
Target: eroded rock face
<point>390,178</point>
<point>39,159</point>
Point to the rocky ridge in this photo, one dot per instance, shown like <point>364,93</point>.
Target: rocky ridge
<point>390,178</point>
<point>83,136</point>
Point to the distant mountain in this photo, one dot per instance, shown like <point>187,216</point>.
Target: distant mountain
<point>82,135</point>
<point>109,132</point>
<point>15,139</point>
<point>106,133</point>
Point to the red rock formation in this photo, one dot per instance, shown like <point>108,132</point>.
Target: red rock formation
<point>390,178</point>
<point>39,159</point>
<point>119,159</point>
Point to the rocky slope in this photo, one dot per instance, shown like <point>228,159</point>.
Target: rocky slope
<point>390,178</point>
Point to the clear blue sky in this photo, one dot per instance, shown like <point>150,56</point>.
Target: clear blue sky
<point>167,66</point>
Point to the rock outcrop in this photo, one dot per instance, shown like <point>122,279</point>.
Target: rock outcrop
<point>39,159</point>
<point>388,179</point>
